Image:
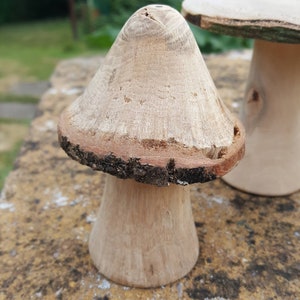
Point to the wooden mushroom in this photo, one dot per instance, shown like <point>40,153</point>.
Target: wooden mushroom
<point>151,115</point>
<point>271,109</point>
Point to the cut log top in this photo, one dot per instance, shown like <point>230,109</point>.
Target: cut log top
<point>271,20</point>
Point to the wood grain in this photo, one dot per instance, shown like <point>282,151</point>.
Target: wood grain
<point>270,114</point>
<point>144,235</point>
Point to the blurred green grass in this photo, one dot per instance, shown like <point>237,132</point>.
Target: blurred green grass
<point>31,50</point>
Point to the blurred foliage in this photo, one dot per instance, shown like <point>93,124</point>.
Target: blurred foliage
<point>103,20</point>
<point>25,10</point>
<point>210,42</point>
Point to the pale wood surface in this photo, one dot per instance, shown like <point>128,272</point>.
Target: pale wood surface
<point>271,115</point>
<point>144,235</point>
<point>153,99</point>
<point>271,104</point>
<point>267,19</point>
<point>151,104</point>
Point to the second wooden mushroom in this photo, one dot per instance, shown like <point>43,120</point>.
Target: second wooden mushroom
<point>152,118</point>
<point>271,109</point>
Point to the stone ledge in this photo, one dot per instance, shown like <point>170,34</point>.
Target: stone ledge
<point>249,245</point>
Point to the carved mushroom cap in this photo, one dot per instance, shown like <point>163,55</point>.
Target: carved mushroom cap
<point>152,112</point>
<point>277,21</point>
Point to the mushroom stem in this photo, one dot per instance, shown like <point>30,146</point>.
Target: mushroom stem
<point>270,114</point>
<point>144,235</point>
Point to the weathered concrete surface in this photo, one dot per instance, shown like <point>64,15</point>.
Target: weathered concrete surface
<point>249,245</point>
